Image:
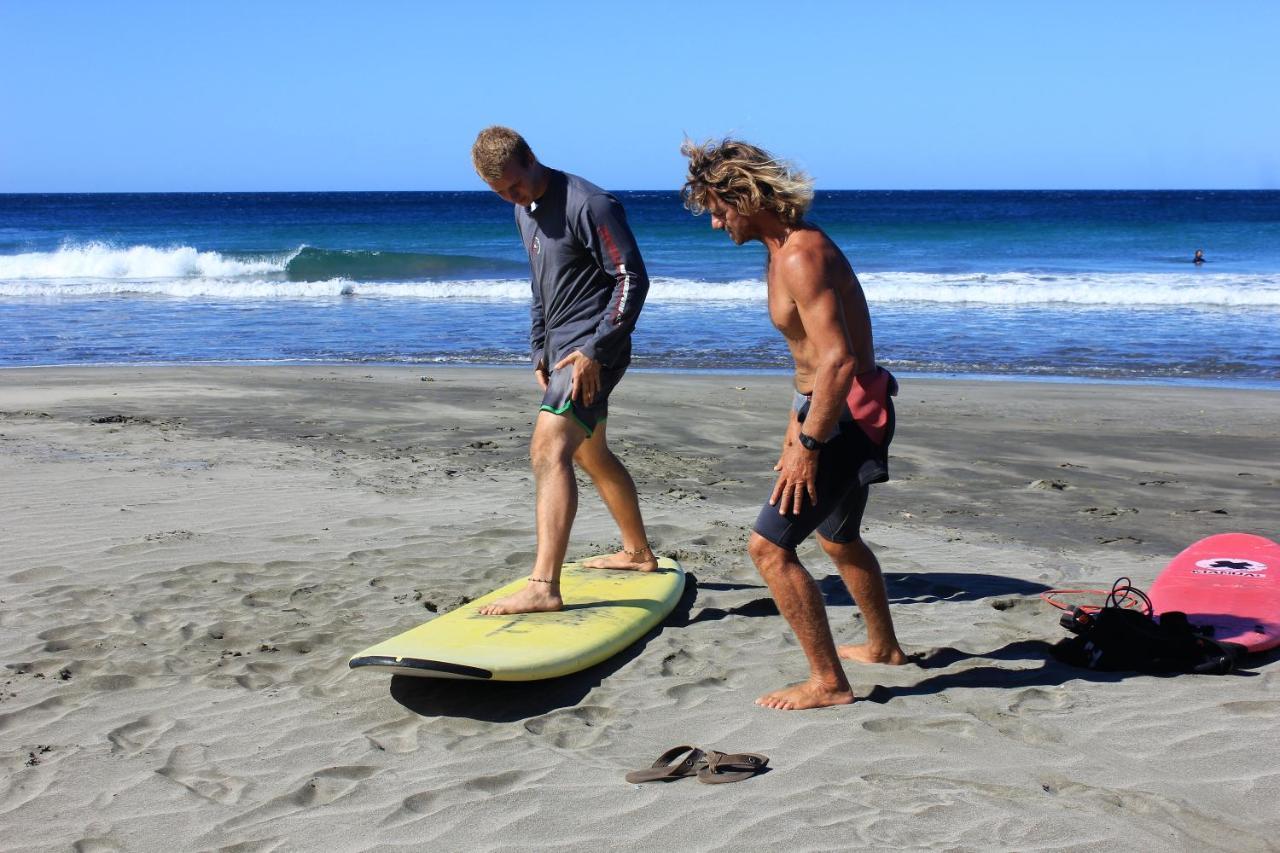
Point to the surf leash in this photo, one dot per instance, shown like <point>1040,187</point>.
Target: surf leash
<point>1122,594</point>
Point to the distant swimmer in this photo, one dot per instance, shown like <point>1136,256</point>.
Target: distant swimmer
<point>841,420</point>
<point>1199,258</point>
<point>589,284</point>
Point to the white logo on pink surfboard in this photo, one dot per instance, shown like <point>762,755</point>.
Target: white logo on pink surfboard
<point>1236,566</point>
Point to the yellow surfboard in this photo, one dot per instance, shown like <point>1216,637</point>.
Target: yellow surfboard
<point>604,612</point>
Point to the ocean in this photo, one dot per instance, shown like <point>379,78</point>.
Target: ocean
<point>1075,286</point>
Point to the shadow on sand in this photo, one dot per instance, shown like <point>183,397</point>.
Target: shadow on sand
<point>508,701</point>
<point>916,588</point>
<point>1051,673</point>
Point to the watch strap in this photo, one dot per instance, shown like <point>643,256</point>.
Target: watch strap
<point>811,443</point>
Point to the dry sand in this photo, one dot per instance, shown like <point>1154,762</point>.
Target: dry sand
<point>181,587</point>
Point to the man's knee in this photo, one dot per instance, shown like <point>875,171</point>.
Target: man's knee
<point>768,557</point>
<point>552,446</point>
<point>853,554</point>
<point>593,454</point>
<point>838,550</point>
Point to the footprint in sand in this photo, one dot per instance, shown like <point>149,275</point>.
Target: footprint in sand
<point>898,725</point>
<point>398,736</point>
<point>191,767</point>
<point>1039,700</point>
<point>330,784</point>
<point>117,681</point>
<point>573,727</point>
<point>1200,829</point>
<point>47,710</point>
<point>681,663</point>
<point>259,675</point>
<point>321,788</point>
<point>141,734</point>
<point>691,695</point>
<point>38,574</point>
<point>427,803</point>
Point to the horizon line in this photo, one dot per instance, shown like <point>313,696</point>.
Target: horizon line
<point>644,190</point>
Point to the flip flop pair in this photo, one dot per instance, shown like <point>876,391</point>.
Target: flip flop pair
<point>711,767</point>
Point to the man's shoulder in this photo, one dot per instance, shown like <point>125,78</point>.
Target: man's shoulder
<point>808,259</point>
<point>806,248</point>
<point>581,193</point>
<point>579,185</point>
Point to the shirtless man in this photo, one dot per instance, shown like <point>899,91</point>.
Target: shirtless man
<point>841,422</point>
<point>589,284</point>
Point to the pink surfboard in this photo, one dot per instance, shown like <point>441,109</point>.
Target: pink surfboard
<point>1230,581</point>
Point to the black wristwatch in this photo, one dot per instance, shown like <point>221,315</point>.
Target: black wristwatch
<point>811,443</point>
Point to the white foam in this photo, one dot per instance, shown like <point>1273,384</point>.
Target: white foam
<point>231,290</point>
<point>102,261</point>
<point>1120,289</point>
<point>209,275</point>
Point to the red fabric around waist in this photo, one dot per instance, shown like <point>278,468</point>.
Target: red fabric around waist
<point>868,402</point>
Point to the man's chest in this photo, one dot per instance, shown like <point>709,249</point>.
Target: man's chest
<point>552,245</point>
<point>784,314</point>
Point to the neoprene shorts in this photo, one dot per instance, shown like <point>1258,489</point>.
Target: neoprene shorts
<point>847,465</point>
<point>556,399</point>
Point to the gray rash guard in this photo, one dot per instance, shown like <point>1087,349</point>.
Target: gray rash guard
<point>589,281</point>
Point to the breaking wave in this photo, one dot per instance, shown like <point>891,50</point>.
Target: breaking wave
<point>97,269</point>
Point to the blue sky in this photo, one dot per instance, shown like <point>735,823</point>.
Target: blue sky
<point>127,96</point>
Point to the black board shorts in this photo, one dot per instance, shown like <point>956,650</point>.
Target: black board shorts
<point>556,400</point>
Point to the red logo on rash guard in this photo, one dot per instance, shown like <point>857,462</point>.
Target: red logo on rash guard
<point>536,246</point>
<point>623,279</point>
<point>607,239</point>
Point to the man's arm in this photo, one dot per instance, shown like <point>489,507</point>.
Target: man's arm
<point>817,300</point>
<point>537,330</point>
<point>806,279</point>
<point>537,319</point>
<point>609,238</point>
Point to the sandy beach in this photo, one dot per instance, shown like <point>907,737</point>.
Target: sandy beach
<point>189,555</point>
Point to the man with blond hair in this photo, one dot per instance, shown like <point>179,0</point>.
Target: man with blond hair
<point>841,421</point>
<point>589,284</point>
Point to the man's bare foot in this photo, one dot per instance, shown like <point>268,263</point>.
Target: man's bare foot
<point>806,694</point>
<point>640,560</point>
<point>534,598</point>
<point>864,653</point>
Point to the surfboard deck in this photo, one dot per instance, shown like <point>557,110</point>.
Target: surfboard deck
<point>605,611</point>
<point>1230,581</point>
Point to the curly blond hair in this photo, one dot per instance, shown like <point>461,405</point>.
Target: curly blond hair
<point>495,147</point>
<point>746,177</point>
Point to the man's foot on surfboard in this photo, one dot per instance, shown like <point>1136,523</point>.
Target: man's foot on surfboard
<point>536,597</point>
<point>806,694</point>
<point>866,653</point>
<point>640,560</point>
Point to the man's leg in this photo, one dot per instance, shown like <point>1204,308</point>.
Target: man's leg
<point>555,439</point>
<point>860,570</point>
<point>618,491</point>
<point>801,604</point>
